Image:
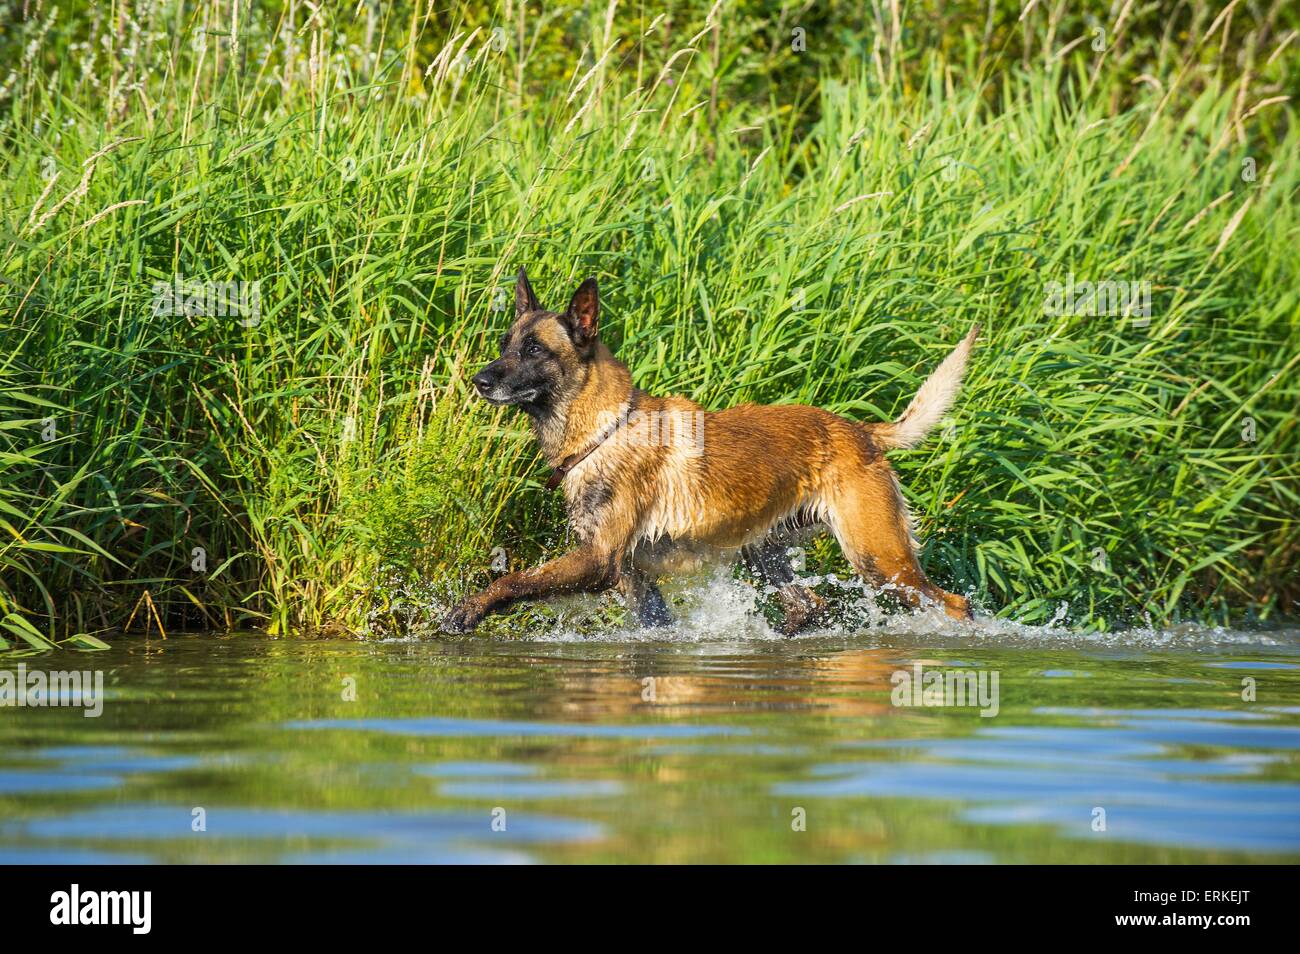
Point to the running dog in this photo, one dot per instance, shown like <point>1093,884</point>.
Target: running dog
<point>655,485</point>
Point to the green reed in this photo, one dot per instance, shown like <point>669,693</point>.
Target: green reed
<point>767,224</point>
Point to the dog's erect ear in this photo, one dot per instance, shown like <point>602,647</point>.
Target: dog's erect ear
<point>584,310</point>
<point>525,300</point>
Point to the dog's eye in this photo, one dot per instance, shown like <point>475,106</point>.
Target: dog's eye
<point>532,349</point>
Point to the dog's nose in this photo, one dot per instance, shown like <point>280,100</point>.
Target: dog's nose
<point>484,380</point>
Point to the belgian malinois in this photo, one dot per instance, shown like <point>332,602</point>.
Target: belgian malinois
<point>654,485</point>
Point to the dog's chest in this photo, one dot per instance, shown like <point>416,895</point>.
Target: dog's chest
<point>625,495</point>
<point>588,499</point>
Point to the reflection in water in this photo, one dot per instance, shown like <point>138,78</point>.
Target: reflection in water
<point>486,751</point>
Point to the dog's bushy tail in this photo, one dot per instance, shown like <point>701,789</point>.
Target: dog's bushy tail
<point>931,402</point>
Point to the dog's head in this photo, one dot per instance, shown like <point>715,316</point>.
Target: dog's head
<point>544,355</point>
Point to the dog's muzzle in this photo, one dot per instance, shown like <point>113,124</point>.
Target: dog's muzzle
<point>489,385</point>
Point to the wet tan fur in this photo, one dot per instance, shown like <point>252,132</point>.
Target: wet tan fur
<point>641,510</point>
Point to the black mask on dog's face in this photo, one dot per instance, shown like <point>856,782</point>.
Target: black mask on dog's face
<point>542,349</point>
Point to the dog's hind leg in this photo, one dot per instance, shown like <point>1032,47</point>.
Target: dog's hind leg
<point>869,519</point>
<point>799,604</point>
<point>644,600</point>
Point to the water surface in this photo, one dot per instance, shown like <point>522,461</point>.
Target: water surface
<point>629,749</point>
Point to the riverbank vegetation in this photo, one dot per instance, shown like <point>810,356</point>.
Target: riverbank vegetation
<point>251,253</point>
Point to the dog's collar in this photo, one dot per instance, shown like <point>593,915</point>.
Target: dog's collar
<point>573,460</point>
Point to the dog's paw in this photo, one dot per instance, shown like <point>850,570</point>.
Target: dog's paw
<point>803,608</point>
<point>463,619</point>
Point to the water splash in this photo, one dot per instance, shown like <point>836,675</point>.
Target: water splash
<point>716,607</point>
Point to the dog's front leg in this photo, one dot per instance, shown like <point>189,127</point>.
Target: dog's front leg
<point>644,600</point>
<point>585,570</point>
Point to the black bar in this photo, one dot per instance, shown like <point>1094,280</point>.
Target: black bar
<point>331,904</point>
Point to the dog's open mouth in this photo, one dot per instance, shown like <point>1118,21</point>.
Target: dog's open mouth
<point>494,396</point>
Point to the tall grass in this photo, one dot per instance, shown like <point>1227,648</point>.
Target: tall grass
<point>767,225</point>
